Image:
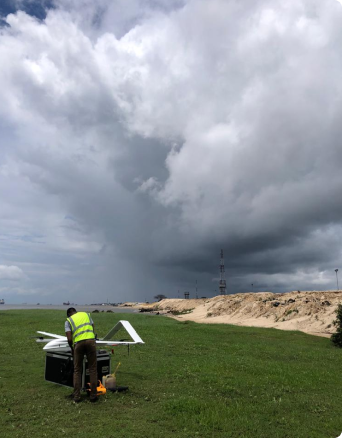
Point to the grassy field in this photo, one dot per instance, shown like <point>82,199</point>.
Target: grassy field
<point>189,380</point>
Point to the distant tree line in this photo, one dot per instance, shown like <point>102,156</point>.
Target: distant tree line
<point>159,297</point>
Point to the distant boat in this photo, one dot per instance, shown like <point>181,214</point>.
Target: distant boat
<point>2,301</point>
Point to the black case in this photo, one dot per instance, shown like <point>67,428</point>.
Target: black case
<point>59,368</point>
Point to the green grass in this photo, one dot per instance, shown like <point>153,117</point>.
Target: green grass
<point>189,380</point>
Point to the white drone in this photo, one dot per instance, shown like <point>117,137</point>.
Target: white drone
<point>60,343</point>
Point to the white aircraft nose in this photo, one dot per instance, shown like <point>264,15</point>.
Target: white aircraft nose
<point>56,343</point>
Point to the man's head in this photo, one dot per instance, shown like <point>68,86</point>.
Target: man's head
<point>71,311</point>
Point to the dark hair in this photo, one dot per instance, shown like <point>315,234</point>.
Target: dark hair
<point>70,311</point>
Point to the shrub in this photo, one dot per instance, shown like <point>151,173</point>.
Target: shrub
<point>288,312</point>
<point>337,337</point>
<point>181,312</point>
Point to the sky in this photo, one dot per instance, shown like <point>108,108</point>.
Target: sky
<point>138,138</point>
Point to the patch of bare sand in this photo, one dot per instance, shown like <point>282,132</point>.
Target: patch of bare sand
<point>311,312</point>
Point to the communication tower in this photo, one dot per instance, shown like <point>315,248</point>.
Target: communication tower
<point>222,285</point>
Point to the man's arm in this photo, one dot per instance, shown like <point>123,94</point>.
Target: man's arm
<point>68,334</point>
<point>92,324</point>
<point>69,338</point>
<point>94,331</point>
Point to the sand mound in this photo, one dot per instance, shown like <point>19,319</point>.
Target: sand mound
<point>308,311</point>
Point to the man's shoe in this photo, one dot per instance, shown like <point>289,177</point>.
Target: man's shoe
<point>76,400</point>
<point>93,400</point>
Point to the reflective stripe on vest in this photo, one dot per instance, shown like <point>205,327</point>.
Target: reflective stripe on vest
<point>81,327</point>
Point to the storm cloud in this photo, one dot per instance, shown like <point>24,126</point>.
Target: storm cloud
<point>140,138</point>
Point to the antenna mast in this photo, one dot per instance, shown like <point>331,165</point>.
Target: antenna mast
<point>222,285</point>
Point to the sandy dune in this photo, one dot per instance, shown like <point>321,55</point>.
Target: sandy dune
<point>308,311</point>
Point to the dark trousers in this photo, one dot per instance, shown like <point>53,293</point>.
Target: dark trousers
<point>88,348</point>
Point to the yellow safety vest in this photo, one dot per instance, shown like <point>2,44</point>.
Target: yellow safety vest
<point>81,327</point>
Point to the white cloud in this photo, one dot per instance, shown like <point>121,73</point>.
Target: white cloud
<point>11,273</point>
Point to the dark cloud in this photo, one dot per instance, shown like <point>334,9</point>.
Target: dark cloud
<point>138,141</point>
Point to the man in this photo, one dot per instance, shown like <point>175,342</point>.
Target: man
<point>79,330</point>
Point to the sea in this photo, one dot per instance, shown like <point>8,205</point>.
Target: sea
<point>82,307</point>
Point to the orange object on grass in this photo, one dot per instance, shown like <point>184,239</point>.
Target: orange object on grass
<point>100,388</point>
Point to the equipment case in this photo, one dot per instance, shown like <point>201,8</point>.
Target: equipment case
<point>59,367</point>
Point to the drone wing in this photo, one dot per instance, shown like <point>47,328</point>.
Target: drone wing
<point>52,335</point>
<point>113,343</point>
<point>129,329</point>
